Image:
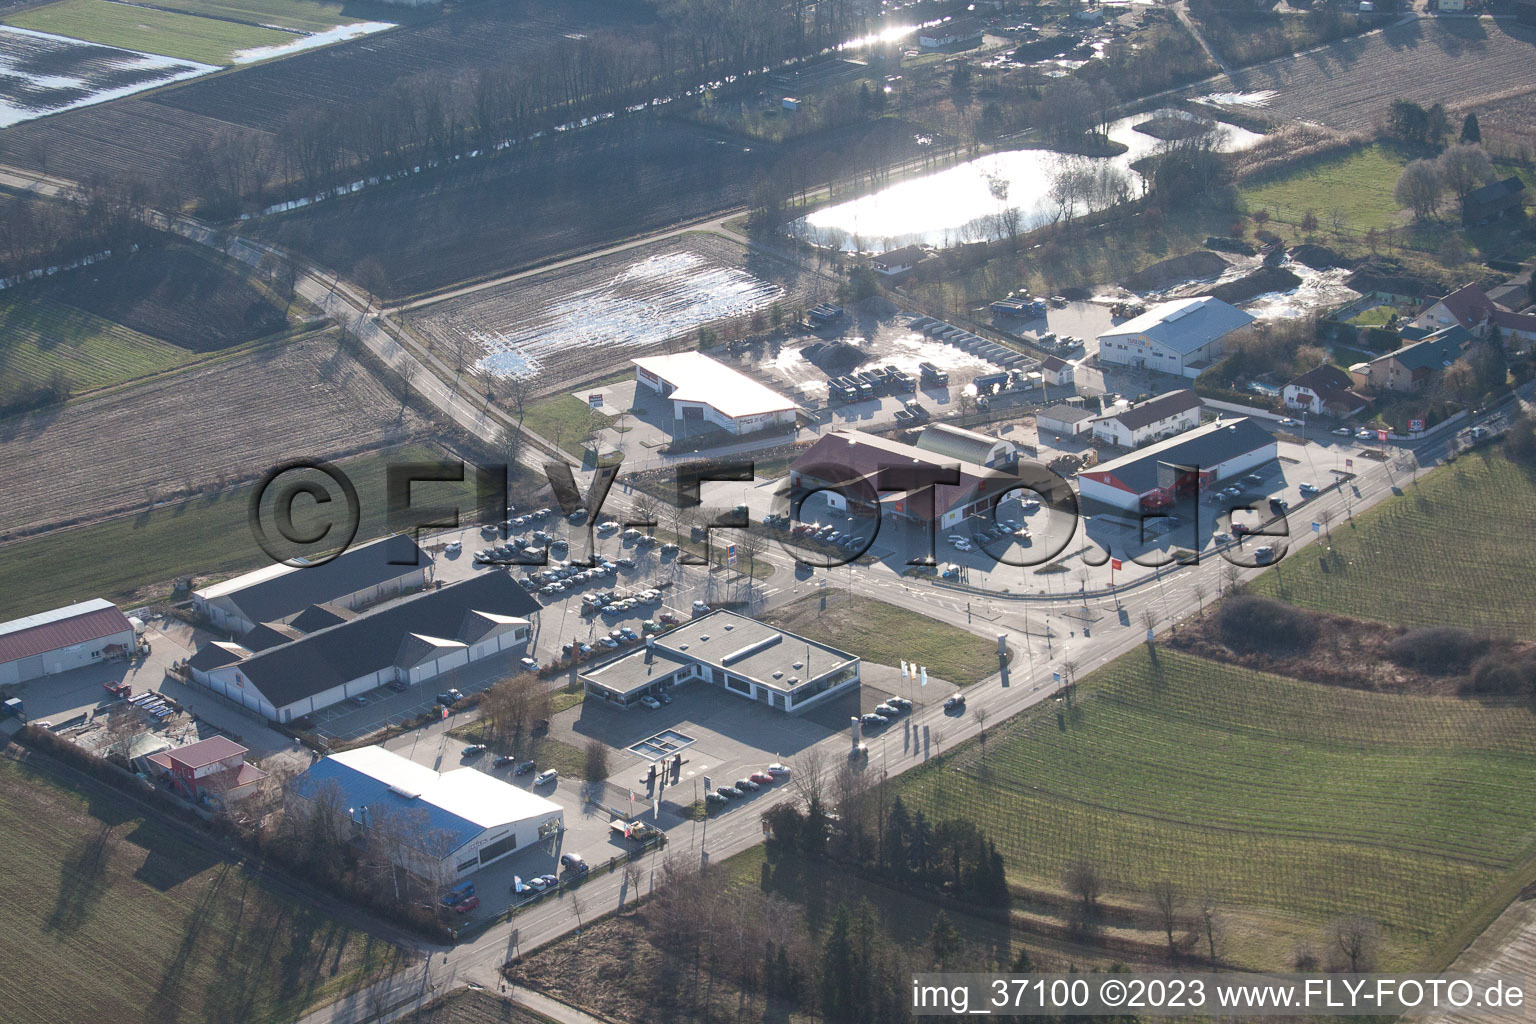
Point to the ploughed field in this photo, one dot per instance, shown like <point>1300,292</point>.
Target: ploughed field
<point>577,319</point>
<point>1289,802</point>
<point>41,74</point>
<point>267,96</point>
<point>1350,84</point>
<point>229,420</point>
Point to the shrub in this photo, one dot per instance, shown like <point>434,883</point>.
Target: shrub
<point>1521,443</point>
<point>1256,624</point>
<point>1439,650</point>
<point>1500,674</point>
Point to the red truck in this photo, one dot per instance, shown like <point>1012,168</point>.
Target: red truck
<point>119,691</point>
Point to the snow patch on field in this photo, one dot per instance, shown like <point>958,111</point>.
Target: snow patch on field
<point>42,74</point>
<point>340,33</point>
<point>646,303</point>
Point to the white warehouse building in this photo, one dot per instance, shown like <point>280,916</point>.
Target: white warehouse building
<point>1183,337</point>
<point>705,390</point>
<point>449,824</point>
<point>65,638</point>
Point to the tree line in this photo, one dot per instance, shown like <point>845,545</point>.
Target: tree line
<point>441,116</point>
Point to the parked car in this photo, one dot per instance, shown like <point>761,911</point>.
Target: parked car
<point>778,770</point>
<point>470,904</point>
<point>1264,554</point>
<point>545,777</point>
<point>530,664</point>
<point>453,547</point>
<point>901,702</point>
<point>502,760</point>
<point>571,859</point>
<point>474,750</point>
<point>650,702</point>
<point>608,641</point>
<point>713,799</point>
<point>700,608</point>
<point>954,703</point>
<point>746,785</point>
<point>874,720</point>
<point>730,792</point>
<point>542,882</point>
<point>458,894</point>
<point>762,778</point>
<point>1286,421</point>
<point>608,525</point>
<point>1307,489</point>
<point>1342,431</point>
<point>361,700</point>
<point>523,768</point>
<point>887,709</point>
<point>664,696</point>
<point>1278,505</point>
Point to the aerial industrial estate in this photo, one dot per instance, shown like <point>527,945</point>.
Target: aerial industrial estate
<point>699,511</point>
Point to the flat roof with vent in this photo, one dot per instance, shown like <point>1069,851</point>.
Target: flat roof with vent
<point>754,650</point>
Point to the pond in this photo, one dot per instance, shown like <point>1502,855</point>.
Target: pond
<point>961,204</point>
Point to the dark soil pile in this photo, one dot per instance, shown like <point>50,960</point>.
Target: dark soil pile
<point>1200,265</point>
<point>1318,257</point>
<point>1260,282</point>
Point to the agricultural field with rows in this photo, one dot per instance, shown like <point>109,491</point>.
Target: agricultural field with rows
<point>1454,549</point>
<point>1288,802</point>
<point>42,338</point>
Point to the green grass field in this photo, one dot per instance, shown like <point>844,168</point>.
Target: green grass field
<point>298,15</point>
<point>112,917</point>
<point>40,336</point>
<point>886,634</point>
<point>1456,548</point>
<point>1291,803</point>
<point>1376,316</point>
<point>135,558</point>
<point>1358,183</point>
<point>206,40</point>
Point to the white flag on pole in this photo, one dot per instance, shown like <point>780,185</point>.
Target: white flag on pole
<point>923,671</point>
<point>903,668</point>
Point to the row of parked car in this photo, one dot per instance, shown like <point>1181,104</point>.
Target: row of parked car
<point>742,787</point>
<point>823,533</point>
<point>885,713</point>
<point>524,521</point>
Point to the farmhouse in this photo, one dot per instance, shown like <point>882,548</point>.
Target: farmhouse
<point>1413,367</point>
<point>66,638</point>
<point>1056,371</point>
<point>1471,308</point>
<point>1182,337</point>
<point>1493,202</point>
<point>212,769</point>
<point>1325,391</point>
<point>704,390</point>
<point>354,579</point>
<point>1187,463</point>
<point>898,261</point>
<point>1063,419</point>
<point>1167,414</point>
<point>408,642</point>
<point>965,445</point>
<point>842,456</point>
<point>440,826</point>
<point>751,659</point>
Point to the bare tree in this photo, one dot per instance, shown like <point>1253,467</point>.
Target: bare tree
<point>1419,188</point>
<point>1464,168</point>
<point>1167,902</point>
<point>1199,590</point>
<point>1326,518</point>
<point>1149,622</point>
<point>1357,939</point>
<point>1083,881</point>
<point>809,772</point>
<point>596,768</point>
<point>981,714</point>
<point>634,873</point>
<point>1210,922</point>
<point>126,722</point>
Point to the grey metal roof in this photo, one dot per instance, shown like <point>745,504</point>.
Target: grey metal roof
<point>1064,414</point>
<point>359,568</point>
<point>1207,446</point>
<point>1153,409</point>
<point>957,442</point>
<point>1184,325</point>
<point>370,642</point>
